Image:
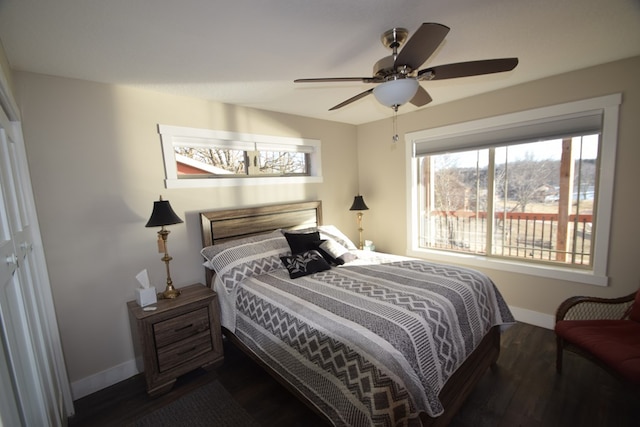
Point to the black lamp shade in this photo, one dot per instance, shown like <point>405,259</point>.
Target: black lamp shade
<point>358,204</point>
<point>162,215</point>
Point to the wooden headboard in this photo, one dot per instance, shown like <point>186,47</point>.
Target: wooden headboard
<point>223,225</point>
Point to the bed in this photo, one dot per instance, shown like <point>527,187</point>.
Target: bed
<point>363,338</point>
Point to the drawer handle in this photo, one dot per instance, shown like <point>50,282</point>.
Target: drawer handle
<point>190,325</point>
<point>186,351</point>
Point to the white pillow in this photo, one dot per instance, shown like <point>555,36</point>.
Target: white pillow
<point>337,251</point>
<point>333,248</point>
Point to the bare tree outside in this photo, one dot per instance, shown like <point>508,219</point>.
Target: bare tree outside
<point>525,180</point>
<point>233,161</point>
<point>282,162</point>
<point>449,185</point>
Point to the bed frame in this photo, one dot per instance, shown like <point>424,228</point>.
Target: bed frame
<point>224,225</point>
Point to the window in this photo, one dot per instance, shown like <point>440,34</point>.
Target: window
<point>204,158</point>
<point>528,192</point>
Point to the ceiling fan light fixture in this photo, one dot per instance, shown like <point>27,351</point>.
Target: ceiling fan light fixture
<point>394,93</point>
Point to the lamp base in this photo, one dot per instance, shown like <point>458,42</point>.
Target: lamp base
<point>170,293</point>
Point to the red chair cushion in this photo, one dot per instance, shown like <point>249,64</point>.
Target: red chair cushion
<point>614,342</point>
<point>634,314</point>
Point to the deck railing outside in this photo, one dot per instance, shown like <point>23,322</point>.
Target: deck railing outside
<point>515,234</point>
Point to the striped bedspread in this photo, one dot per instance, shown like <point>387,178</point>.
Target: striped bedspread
<point>373,342</point>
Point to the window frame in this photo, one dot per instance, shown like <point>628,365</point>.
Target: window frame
<point>171,136</point>
<point>607,105</point>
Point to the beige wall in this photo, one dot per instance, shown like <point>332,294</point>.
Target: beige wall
<point>96,167</point>
<point>382,172</point>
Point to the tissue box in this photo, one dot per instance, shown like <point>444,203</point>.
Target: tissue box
<point>146,296</point>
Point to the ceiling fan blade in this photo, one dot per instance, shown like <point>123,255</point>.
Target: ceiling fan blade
<point>337,79</point>
<point>421,45</point>
<point>421,97</point>
<point>466,69</point>
<point>352,99</point>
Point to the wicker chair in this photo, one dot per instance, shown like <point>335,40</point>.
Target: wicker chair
<point>605,331</point>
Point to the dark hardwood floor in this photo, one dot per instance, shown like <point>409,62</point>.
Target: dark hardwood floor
<point>523,390</point>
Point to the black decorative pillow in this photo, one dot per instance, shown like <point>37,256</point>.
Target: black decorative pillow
<point>302,242</point>
<point>305,263</point>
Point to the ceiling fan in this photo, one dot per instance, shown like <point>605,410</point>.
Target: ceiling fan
<point>398,74</point>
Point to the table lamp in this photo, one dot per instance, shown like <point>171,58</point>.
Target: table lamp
<point>359,205</point>
<point>163,215</point>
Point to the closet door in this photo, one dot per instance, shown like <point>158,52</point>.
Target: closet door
<point>13,307</point>
<point>26,313</point>
<point>9,402</point>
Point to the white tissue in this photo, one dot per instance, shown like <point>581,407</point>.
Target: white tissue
<point>143,279</point>
<point>146,294</point>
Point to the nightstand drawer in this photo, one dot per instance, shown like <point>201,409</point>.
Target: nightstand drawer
<point>181,327</point>
<point>182,351</point>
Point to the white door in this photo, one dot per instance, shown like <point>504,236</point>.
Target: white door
<point>26,318</point>
<point>13,308</point>
<point>9,412</point>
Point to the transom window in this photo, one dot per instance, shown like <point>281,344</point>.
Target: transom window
<point>201,157</point>
<point>225,162</point>
<point>526,192</point>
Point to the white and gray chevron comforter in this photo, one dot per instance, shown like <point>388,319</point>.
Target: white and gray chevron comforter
<point>372,342</point>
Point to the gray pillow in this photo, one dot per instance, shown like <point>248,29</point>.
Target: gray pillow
<point>235,260</point>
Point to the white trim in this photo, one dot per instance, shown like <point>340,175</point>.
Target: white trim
<point>535,318</point>
<point>103,379</point>
<point>540,270</point>
<point>604,206</point>
<point>511,120</point>
<point>609,105</point>
<point>239,182</point>
<point>171,136</point>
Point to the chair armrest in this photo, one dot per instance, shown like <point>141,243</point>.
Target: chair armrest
<point>594,308</point>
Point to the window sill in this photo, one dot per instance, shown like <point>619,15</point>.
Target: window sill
<point>478,261</point>
<point>240,182</point>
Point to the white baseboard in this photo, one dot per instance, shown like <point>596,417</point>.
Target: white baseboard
<point>535,318</point>
<point>128,369</point>
<point>103,379</point>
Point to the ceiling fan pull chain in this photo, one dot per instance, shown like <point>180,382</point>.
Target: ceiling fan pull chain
<point>395,126</point>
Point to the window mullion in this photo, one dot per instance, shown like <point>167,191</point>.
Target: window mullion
<point>252,162</point>
<point>489,242</point>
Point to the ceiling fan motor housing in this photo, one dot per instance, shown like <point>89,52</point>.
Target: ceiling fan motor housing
<point>385,70</point>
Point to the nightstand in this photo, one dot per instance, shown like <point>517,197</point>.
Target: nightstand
<point>182,334</point>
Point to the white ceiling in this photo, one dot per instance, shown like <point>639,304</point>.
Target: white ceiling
<point>248,52</point>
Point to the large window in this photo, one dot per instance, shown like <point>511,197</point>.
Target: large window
<point>527,192</point>
<point>201,157</point>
